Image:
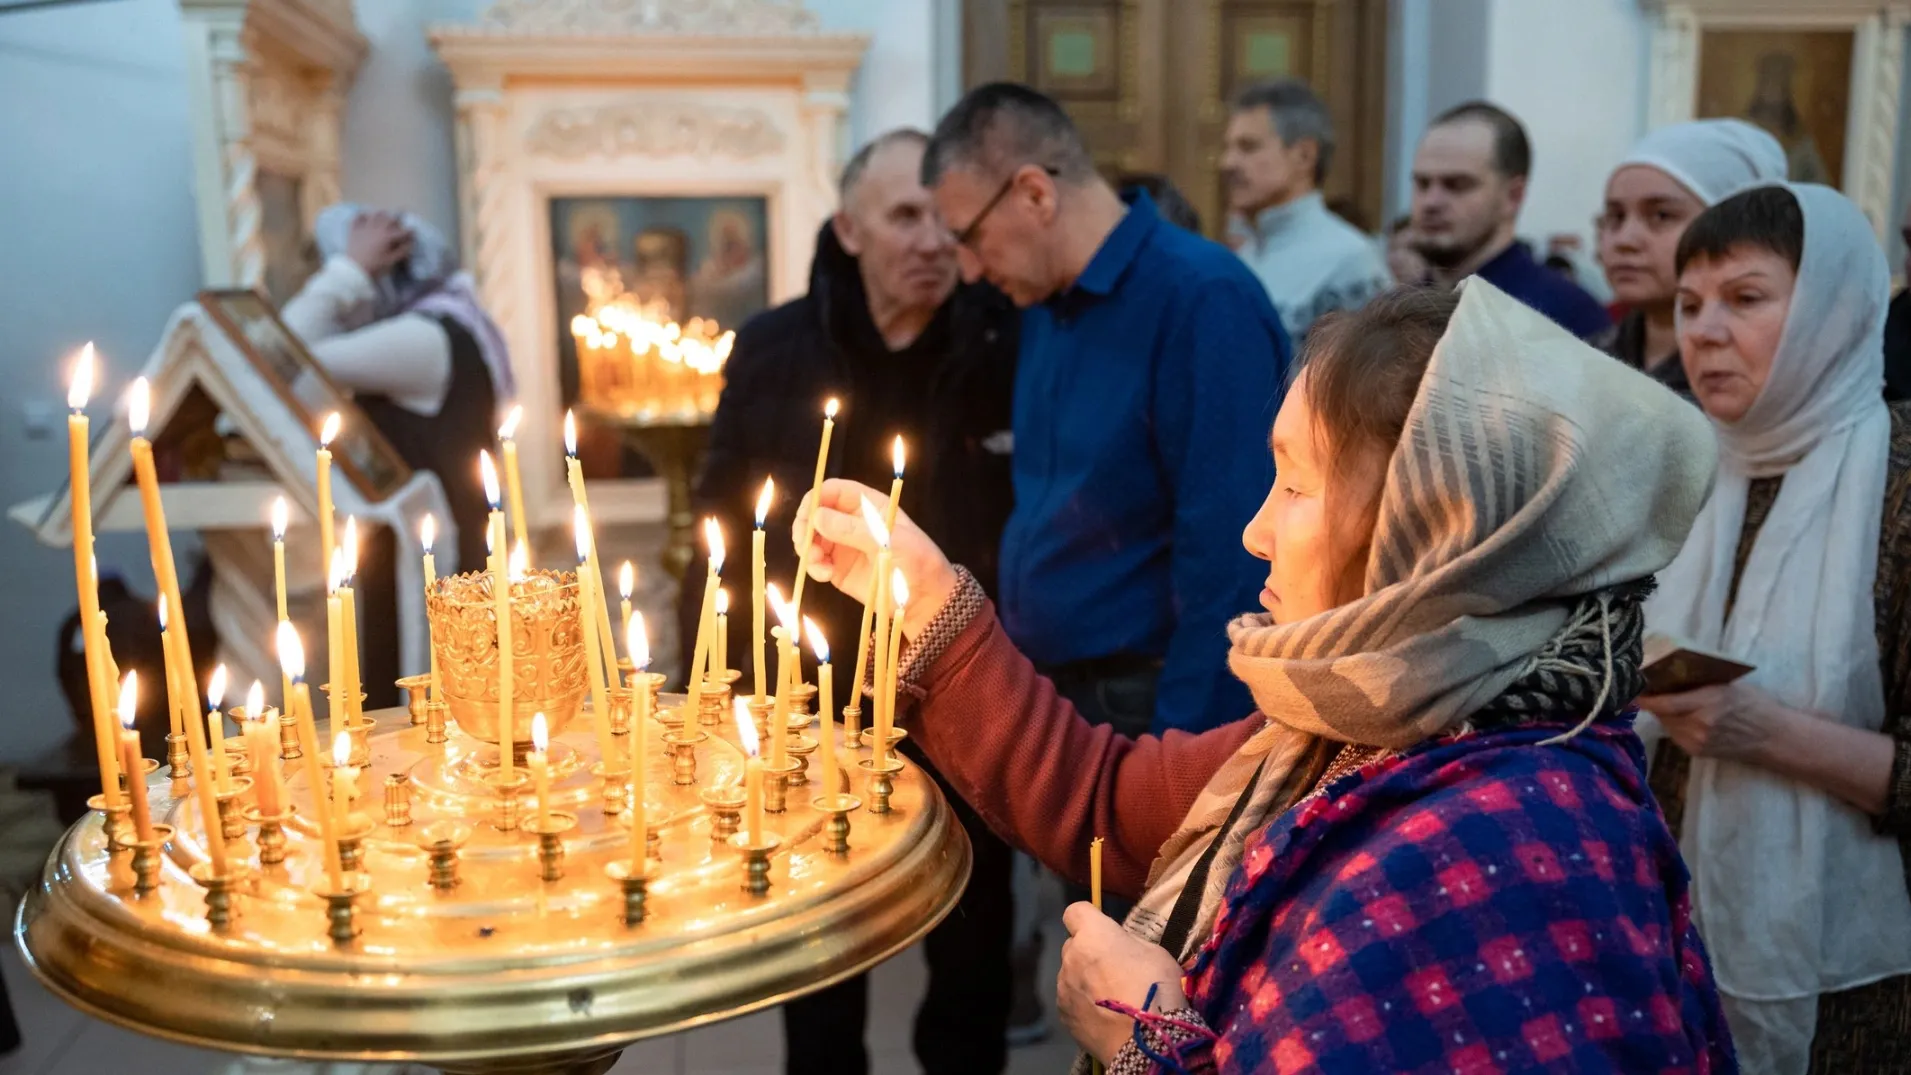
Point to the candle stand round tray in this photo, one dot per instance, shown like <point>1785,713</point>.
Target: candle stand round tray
<point>478,934</point>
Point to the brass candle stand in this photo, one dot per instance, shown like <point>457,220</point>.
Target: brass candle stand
<point>115,822</point>
<point>616,784</point>
<point>289,749</point>
<point>714,704</point>
<point>852,723</point>
<point>232,821</point>
<point>882,781</point>
<point>178,763</point>
<point>417,694</point>
<point>550,843</point>
<point>800,747</point>
<point>435,723</point>
<point>618,702</point>
<point>489,955</point>
<point>398,800</point>
<point>776,785</point>
<point>351,842</point>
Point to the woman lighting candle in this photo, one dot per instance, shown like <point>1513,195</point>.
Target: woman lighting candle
<point>637,642</point>
<point>539,761</point>
<point>752,777</point>
<point>706,618</point>
<point>327,434</point>
<point>500,569</point>
<point>130,759</point>
<point>292,664</point>
<point>86,575</point>
<point>826,735</point>
<point>428,536</point>
<point>513,485</point>
<point>756,582</point>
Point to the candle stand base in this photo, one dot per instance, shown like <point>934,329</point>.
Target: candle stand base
<point>550,844</point>
<point>683,754</point>
<point>726,810</point>
<point>220,907</point>
<point>618,702</point>
<point>232,819</point>
<point>896,735</point>
<point>852,724</point>
<point>289,749</point>
<point>776,785</point>
<point>271,833</point>
<point>417,694</point>
<point>147,855</point>
<point>435,718</point>
<point>506,789</point>
<point>836,833</point>
<point>800,747</point>
<point>351,842</point>
<point>341,912</point>
<point>756,861</point>
<point>616,785</point>
<point>179,763</point>
<point>398,800</point>
<point>636,891</point>
<point>882,782</point>
<point>441,840</point>
<point>118,824</point>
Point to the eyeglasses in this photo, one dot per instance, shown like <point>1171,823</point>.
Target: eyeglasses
<point>966,237</point>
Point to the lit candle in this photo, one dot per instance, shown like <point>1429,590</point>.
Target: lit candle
<point>1094,872</point>
<point>133,763</point>
<point>826,688</point>
<point>626,582</point>
<point>752,777</point>
<point>139,403</point>
<point>637,642</point>
<point>348,620</point>
<point>706,618</point>
<point>216,723</point>
<point>501,602</point>
<point>177,714</point>
<point>335,637</point>
<point>889,524</point>
<point>879,598</point>
<point>809,527</point>
<point>344,780</point>
<point>326,435</point>
<point>593,654</point>
<point>262,746</point>
<point>86,576</point>
<point>574,472</point>
<point>281,515</point>
<point>540,769</point>
<point>428,536</point>
<point>785,658</point>
<point>756,582</point>
<point>292,664</point>
<point>507,438</point>
<point>886,701</point>
<point>720,647</point>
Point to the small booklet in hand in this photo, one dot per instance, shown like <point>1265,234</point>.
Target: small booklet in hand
<point>1673,665</point>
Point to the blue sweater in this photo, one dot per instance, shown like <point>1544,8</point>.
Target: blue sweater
<point>1547,291</point>
<point>1144,397</point>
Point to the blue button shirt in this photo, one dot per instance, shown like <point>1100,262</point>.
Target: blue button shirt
<point>1546,291</point>
<point>1144,397</point>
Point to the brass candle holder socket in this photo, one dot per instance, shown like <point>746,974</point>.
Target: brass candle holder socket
<point>507,789</point>
<point>441,841</point>
<point>799,748</point>
<point>617,701</point>
<point>852,724</point>
<point>118,823</point>
<point>726,810</point>
<point>435,722</point>
<point>636,888</point>
<point>653,840</point>
<point>776,785</point>
<point>178,763</point>
<point>803,702</point>
<point>147,767</point>
<point>616,787</point>
<point>398,800</point>
<point>760,714</point>
<point>221,908</point>
<point>417,693</point>
<point>232,821</point>
<point>550,843</point>
<point>351,842</point>
<point>147,856</point>
<point>289,749</point>
<point>713,705</point>
<point>836,832</point>
<point>271,833</point>
<point>682,744</point>
<point>341,909</point>
<point>881,781</point>
<point>648,684</point>
<point>756,860</point>
<point>896,735</point>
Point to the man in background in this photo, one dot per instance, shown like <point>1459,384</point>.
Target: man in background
<point>1279,145</point>
<point>1469,181</point>
<point>888,331</point>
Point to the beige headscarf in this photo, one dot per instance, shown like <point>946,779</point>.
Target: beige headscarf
<point>1793,891</point>
<point>1533,471</point>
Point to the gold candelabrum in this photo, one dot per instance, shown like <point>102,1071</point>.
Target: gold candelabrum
<point>458,942</point>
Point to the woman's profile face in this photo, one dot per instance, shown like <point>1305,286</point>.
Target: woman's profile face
<point>1732,312</point>
<point>1317,522</point>
<point>1646,212</point>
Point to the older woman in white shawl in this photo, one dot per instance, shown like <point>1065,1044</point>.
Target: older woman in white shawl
<point>1797,793</point>
<point>1670,177</point>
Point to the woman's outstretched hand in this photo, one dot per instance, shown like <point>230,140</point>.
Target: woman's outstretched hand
<point>844,552</point>
<point>1102,961</point>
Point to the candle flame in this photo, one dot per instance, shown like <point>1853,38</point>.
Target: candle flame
<point>342,750</point>
<point>713,540</point>
<point>570,434</point>
<point>281,515</point>
<point>723,602</point>
<point>129,700</point>
<point>509,429</point>
<point>874,520</point>
<point>896,454</point>
<point>900,587</point>
<point>581,532</point>
<point>637,642</point>
<point>428,532</point>
<point>350,548</point>
<point>746,728</point>
<point>785,615</point>
<point>829,409</point>
<point>626,579</point>
<point>818,644</point>
<point>139,405</point>
<point>291,653</point>
<point>216,689</point>
<point>81,387</point>
<point>775,598</point>
<point>329,432</point>
<point>520,564</point>
<point>162,612</point>
<point>540,735</point>
<point>763,501</point>
<point>255,700</point>
<point>488,471</point>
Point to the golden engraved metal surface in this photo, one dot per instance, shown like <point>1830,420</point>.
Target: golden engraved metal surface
<point>501,971</point>
<point>547,650</point>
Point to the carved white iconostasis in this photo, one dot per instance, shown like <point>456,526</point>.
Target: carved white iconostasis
<point>615,99</point>
<point>1826,72</point>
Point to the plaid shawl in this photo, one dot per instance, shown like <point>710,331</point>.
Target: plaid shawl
<point>1475,904</point>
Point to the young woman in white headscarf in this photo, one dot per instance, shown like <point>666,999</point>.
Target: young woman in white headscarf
<point>1671,176</point>
<point>1432,847</point>
<point>1791,789</point>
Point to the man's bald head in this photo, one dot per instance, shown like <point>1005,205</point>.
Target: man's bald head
<point>888,145</point>
<point>888,223</point>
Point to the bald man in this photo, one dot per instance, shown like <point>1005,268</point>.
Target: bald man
<point>889,330</point>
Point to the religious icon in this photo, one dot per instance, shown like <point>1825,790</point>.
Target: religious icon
<point>1796,84</point>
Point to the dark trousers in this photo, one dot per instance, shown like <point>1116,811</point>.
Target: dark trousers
<point>1120,694</point>
<point>962,1026</point>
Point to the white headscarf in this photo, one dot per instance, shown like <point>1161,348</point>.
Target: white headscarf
<point>1712,158</point>
<point>1795,893</point>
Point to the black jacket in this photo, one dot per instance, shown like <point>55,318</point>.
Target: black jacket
<point>957,380</point>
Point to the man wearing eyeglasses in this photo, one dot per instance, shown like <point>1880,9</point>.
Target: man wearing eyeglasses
<point>1150,368</point>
